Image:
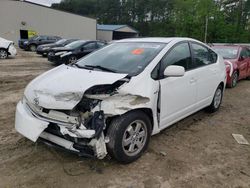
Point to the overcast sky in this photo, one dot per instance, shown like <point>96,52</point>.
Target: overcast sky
<point>44,2</point>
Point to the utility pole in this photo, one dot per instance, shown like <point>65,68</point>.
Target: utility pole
<point>206,26</point>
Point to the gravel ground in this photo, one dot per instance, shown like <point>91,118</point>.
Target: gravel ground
<point>197,152</point>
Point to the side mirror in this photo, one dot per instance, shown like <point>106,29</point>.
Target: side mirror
<point>83,49</point>
<point>174,71</point>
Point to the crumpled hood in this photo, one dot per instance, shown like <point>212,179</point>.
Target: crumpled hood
<point>5,43</point>
<point>63,87</point>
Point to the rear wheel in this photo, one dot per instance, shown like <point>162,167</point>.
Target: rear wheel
<point>234,80</point>
<point>72,59</point>
<point>3,54</point>
<point>32,47</point>
<point>129,136</point>
<point>215,105</point>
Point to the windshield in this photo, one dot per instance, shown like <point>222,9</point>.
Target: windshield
<point>227,52</point>
<point>126,57</point>
<point>34,38</point>
<point>75,44</point>
<point>61,41</point>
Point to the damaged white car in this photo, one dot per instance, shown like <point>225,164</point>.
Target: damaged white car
<point>113,100</point>
<point>7,49</point>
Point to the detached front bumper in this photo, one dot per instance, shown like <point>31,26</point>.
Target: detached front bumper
<point>34,128</point>
<point>27,125</point>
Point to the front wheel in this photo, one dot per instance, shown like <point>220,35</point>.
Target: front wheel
<point>215,105</point>
<point>234,80</point>
<point>129,135</point>
<point>32,47</point>
<point>72,59</point>
<point>3,54</point>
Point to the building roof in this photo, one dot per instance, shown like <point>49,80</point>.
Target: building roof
<point>114,27</point>
<point>110,27</point>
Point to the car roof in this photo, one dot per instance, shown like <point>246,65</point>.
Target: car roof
<point>228,45</point>
<point>157,39</point>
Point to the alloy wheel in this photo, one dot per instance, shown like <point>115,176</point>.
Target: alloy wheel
<point>134,138</point>
<point>3,54</point>
<point>217,98</point>
<point>234,79</point>
<point>72,59</point>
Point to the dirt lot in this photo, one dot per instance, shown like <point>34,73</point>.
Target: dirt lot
<point>196,152</point>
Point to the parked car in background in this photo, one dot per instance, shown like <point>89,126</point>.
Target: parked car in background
<point>34,42</point>
<point>237,60</point>
<point>45,48</point>
<point>7,49</point>
<point>21,43</point>
<point>73,51</point>
<point>114,99</point>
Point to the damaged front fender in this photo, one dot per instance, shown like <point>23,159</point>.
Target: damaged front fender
<point>120,104</point>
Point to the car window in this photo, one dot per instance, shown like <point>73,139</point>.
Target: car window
<point>248,52</point>
<point>52,38</point>
<point>90,46</point>
<point>244,53</point>
<point>44,38</point>
<point>213,56</point>
<point>180,55</point>
<point>202,55</point>
<point>100,44</point>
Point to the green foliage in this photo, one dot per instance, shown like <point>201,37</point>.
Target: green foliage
<point>228,20</point>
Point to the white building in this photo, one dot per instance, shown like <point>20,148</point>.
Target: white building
<point>115,32</point>
<point>19,16</point>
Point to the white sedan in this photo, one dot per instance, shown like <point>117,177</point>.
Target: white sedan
<point>113,100</point>
<point>7,49</point>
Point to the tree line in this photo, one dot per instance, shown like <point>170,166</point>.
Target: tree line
<point>227,21</point>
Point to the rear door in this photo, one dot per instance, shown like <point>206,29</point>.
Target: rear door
<point>177,94</point>
<point>207,73</point>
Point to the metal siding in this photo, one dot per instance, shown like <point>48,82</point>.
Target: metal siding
<point>45,21</point>
<point>104,35</point>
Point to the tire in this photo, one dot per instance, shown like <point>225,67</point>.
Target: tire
<point>3,54</point>
<point>33,47</point>
<point>126,144</point>
<point>72,59</point>
<point>234,80</point>
<point>215,105</point>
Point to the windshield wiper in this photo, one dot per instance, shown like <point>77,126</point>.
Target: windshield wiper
<point>100,67</point>
<point>80,67</point>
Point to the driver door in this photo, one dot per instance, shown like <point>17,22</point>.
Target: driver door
<point>177,94</point>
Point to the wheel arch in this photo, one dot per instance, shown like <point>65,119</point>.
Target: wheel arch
<point>222,84</point>
<point>147,111</point>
